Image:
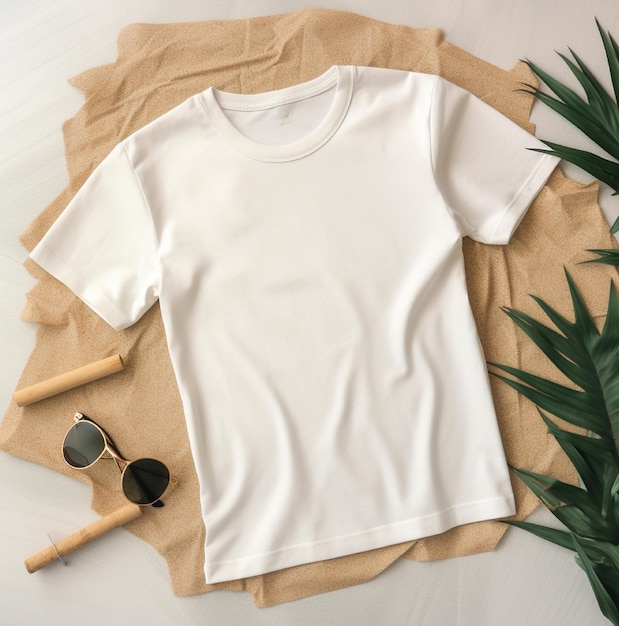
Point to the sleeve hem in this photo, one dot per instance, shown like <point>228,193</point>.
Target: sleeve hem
<point>515,211</point>
<point>91,296</point>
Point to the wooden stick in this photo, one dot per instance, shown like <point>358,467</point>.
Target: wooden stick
<point>68,380</point>
<point>120,517</point>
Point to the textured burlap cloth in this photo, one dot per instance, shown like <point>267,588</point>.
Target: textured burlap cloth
<point>159,66</point>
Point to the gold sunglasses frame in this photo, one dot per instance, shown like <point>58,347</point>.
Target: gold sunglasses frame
<point>121,463</point>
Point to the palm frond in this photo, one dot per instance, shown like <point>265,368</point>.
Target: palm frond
<point>570,405</point>
<point>603,169</point>
<point>589,359</point>
<point>599,552</point>
<point>571,505</point>
<point>598,97</point>
<point>596,115</point>
<point>607,604</point>
<point>609,257</point>
<point>612,56</point>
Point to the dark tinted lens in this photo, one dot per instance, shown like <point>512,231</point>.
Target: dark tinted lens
<point>83,445</point>
<point>145,480</point>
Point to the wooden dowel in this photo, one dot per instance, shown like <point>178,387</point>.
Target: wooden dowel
<point>83,536</point>
<point>68,380</point>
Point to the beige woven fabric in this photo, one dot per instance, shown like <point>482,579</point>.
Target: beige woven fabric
<point>159,66</point>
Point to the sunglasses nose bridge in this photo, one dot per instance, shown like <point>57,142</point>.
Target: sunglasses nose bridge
<point>121,463</point>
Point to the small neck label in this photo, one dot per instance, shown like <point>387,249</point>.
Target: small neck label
<point>283,113</point>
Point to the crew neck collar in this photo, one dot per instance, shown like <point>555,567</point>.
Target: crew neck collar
<point>214,101</point>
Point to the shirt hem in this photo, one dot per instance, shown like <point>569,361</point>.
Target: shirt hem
<point>343,545</point>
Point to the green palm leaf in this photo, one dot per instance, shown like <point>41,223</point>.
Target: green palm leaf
<point>571,505</point>
<point>596,115</point>
<point>599,552</point>
<point>609,257</point>
<point>587,115</point>
<point>596,447</point>
<point>612,55</point>
<point>586,357</point>
<point>603,169</point>
<point>568,404</point>
<point>607,604</point>
<point>597,464</point>
<point>589,360</point>
<point>562,352</point>
<point>596,94</point>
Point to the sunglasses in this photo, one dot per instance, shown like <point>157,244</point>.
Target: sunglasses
<point>143,481</point>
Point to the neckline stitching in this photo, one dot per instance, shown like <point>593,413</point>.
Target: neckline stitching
<point>230,101</point>
<point>340,76</point>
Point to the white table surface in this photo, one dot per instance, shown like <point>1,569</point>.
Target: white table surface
<point>120,579</point>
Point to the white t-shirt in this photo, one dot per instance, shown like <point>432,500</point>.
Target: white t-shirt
<point>305,247</point>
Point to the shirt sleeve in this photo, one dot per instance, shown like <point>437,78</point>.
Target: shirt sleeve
<point>486,175</point>
<point>103,246</point>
